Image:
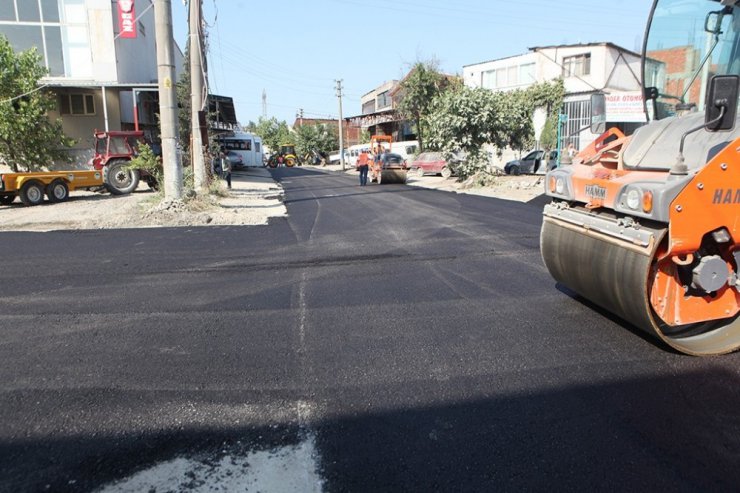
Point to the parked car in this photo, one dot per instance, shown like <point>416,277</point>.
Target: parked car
<point>531,163</point>
<point>432,162</point>
<point>237,162</point>
<point>335,158</point>
<point>392,160</point>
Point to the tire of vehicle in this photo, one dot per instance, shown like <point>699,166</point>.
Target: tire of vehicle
<point>419,172</point>
<point>118,180</point>
<point>290,162</point>
<point>446,172</point>
<point>514,170</point>
<point>32,193</point>
<point>7,199</point>
<point>57,191</point>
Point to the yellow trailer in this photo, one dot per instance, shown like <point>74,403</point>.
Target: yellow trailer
<point>56,185</point>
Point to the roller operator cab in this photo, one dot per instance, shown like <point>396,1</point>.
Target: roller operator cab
<point>648,226</point>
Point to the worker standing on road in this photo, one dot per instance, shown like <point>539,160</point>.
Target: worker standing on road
<point>225,167</point>
<point>568,154</point>
<point>363,164</point>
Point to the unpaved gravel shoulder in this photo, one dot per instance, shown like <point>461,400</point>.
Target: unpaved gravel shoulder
<point>254,198</point>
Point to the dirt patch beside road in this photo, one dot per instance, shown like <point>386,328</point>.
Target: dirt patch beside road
<point>254,198</point>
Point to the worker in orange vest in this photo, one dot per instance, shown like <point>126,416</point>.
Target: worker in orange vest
<point>363,164</point>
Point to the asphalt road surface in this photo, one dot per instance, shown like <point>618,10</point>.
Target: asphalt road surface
<point>414,335</point>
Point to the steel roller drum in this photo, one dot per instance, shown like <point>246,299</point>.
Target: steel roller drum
<point>616,275</point>
<point>392,176</point>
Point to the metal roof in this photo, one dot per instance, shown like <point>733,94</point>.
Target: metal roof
<point>223,107</point>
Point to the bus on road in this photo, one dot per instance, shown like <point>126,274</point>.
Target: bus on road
<point>244,149</point>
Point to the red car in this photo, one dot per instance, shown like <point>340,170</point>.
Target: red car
<point>431,162</point>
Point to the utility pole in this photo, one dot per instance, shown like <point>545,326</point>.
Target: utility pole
<point>264,104</point>
<point>167,99</point>
<point>300,117</point>
<point>341,128</point>
<point>197,97</point>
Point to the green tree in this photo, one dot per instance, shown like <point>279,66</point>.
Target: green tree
<point>466,119</point>
<point>273,132</point>
<point>423,83</point>
<point>28,139</point>
<point>184,103</point>
<point>251,127</point>
<point>550,96</point>
<point>322,138</point>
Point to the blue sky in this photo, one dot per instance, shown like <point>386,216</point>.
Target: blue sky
<point>295,49</point>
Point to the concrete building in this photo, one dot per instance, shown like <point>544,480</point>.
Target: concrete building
<point>101,58</point>
<point>585,69</point>
<point>379,115</point>
<point>379,110</point>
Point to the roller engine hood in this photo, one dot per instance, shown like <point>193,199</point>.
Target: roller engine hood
<point>655,146</point>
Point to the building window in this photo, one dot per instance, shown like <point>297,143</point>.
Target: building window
<point>77,104</point>
<point>384,100</point>
<point>28,11</point>
<point>76,36</point>
<point>527,74</point>
<point>54,50</point>
<point>512,78</point>
<point>576,66</point>
<point>579,117</point>
<point>23,37</point>
<point>34,24</point>
<point>488,79</point>
<point>50,10</point>
<point>500,77</point>
<point>368,107</point>
<point>7,10</point>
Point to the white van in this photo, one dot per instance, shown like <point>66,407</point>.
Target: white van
<point>406,148</point>
<point>243,149</point>
<point>353,152</point>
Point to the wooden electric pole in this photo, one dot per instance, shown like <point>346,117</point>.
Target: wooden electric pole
<point>197,97</point>
<point>167,99</point>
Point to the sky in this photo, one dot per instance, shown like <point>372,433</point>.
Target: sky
<point>295,50</point>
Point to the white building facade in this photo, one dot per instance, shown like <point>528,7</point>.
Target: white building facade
<point>100,54</point>
<point>586,69</point>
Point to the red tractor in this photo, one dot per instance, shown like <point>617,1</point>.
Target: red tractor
<point>113,151</point>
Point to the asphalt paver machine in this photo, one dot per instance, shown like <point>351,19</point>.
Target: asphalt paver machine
<point>648,226</point>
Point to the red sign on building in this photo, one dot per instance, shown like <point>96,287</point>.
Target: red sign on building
<point>126,19</point>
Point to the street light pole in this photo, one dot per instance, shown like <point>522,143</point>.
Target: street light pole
<point>167,99</point>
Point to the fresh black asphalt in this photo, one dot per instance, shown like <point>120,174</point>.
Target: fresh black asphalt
<point>415,333</point>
